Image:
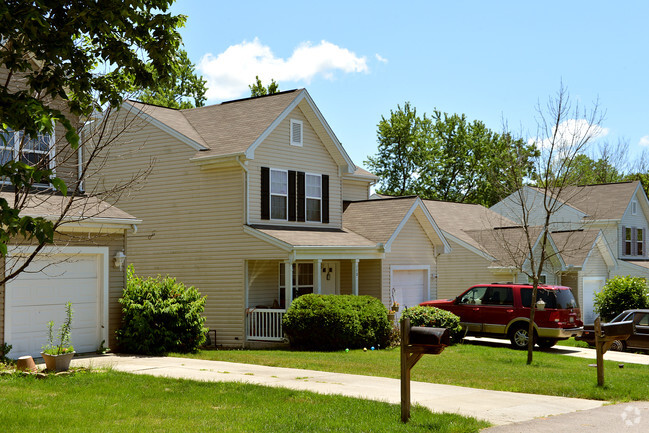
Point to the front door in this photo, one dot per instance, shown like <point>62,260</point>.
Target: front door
<point>329,278</point>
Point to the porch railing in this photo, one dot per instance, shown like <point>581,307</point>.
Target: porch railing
<point>265,324</point>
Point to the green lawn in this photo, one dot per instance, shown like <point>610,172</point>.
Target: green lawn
<point>120,402</point>
<point>470,365</point>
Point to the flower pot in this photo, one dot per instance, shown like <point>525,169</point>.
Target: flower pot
<point>391,316</point>
<point>57,362</point>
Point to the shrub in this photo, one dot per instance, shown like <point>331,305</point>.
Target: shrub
<point>160,316</point>
<point>335,322</point>
<point>619,294</point>
<point>435,318</point>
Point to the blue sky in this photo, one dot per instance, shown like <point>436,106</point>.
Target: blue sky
<point>490,60</point>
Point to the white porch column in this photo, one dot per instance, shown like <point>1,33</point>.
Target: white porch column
<point>355,277</point>
<point>317,276</point>
<point>288,282</point>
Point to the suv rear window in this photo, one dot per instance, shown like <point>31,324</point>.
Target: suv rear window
<point>553,298</point>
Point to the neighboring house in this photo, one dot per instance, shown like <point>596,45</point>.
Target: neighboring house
<point>255,202</point>
<point>602,230</point>
<point>79,267</point>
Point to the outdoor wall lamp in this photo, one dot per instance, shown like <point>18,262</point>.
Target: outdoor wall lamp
<point>119,259</point>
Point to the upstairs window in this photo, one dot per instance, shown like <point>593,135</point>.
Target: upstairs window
<point>16,146</point>
<point>278,194</point>
<point>633,241</point>
<point>313,197</point>
<point>296,132</point>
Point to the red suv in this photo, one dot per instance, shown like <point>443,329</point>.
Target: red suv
<point>503,309</point>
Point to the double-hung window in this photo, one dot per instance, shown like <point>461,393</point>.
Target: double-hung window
<point>634,241</point>
<point>278,194</point>
<point>16,146</point>
<point>302,280</point>
<point>313,194</point>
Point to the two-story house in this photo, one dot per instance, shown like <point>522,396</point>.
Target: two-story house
<point>83,266</point>
<point>256,202</point>
<point>600,230</point>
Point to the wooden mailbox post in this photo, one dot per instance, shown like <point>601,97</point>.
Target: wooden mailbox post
<point>605,335</point>
<point>416,342</point>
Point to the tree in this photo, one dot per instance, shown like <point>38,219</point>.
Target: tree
<point>565,132</point>
<point>402,150</point>
<point>619,294</point>
<point>444,157</point>
<point>51,56</point>
<point>178,93</point>
<point>258,89</point>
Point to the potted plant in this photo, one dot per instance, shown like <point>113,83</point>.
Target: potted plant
<point>58,356</point>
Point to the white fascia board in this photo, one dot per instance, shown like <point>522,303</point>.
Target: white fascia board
<point>155,122</point>
<point>338,253</point>
<point>303,94</point>
<point>360,177</point>
<point>126,222</point>
<point>215,159</point>
<point>267,238</point>
<point>418,204</point>
<point>469,247</point>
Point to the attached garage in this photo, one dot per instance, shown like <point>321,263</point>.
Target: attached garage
<point>68,274</point>
<point>410,285</point>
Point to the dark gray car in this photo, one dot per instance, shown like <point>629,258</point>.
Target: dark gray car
<point>639,340</point>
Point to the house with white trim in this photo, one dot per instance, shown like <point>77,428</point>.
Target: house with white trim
<point>256,202</point>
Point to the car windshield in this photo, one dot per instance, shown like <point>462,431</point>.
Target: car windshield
<point>624,315</point>
<point>553,298</point>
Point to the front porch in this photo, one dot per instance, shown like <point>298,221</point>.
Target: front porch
<point>271,286</point>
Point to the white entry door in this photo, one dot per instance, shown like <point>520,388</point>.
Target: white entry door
<point>329,278</point>
<point>592,285</point>
<point>410,288</point>
<point>39,295</point>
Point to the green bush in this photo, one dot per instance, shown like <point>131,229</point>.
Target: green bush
<point>160,316</point>
<point>619,294</point>
<point>435,318</point>
<point>335,322</point>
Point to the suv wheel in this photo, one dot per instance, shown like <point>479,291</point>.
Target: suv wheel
<point>546,343</point>
<point>519,336</point>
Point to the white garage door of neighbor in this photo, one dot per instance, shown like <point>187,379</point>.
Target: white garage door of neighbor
<point>410,287</point>
<point>34,298</point>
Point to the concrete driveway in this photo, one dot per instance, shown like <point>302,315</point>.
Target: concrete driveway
<point>497,407</point>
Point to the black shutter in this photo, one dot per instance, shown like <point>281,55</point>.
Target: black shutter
<point>265,193</point>
<point>301,197</point>
<point>325,198</point>
<point>291,195</point>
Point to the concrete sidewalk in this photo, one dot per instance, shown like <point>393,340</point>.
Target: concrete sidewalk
<point>498,407</point>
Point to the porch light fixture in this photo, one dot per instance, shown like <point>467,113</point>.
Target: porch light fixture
<point>119,259</point>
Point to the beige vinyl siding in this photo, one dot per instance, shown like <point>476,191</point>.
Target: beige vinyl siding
<point>116,277</point>
<point>461,269</point>
<point>263,282</point>
<point>571,279</point>
<point>411,248</point>
<point>354,190</point>
<point>369,278</point>
<point>192,225</point>
<point>276,152</point>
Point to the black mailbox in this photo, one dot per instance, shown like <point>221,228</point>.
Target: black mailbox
<point>424,336</point>
<point>619,330</point>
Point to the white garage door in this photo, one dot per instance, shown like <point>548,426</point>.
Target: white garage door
<point>410,288</point>
<point>39,295</point>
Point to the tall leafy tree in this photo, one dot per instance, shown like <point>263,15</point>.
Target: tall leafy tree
<point>258,88</point>
<point>51,57</point>
<point>186,89</point>
<point>402,147</point>
<point>443,157</point>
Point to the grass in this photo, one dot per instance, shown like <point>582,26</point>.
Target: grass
<point>471,365</point>
<point>573,343</point>
<point>119,402</point>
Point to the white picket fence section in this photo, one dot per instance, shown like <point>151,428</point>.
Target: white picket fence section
<point>265,324</point>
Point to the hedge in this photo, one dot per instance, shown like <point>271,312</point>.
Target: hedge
<point>335,322</point>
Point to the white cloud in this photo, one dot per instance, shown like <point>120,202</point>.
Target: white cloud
<point>644,141</point>
<point>229,73</point>
<point>571,132</point>
<point>380,58</point>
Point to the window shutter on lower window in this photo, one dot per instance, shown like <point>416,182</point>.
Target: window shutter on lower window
<point>623,241</point>
<point>325,199</point>
<point>301,197</point>
<point>291,195</point>
<point>634,244</point>
<point>265,193</point>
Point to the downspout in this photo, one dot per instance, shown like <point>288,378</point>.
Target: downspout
<point>245,187</point>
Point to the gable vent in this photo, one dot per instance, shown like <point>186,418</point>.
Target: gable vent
<point>296,132</point>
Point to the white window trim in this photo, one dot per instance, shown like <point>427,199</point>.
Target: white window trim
<point>307,197</point>
<point>270,192</point>
<point>16,155</point>
<point>295,143</point>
